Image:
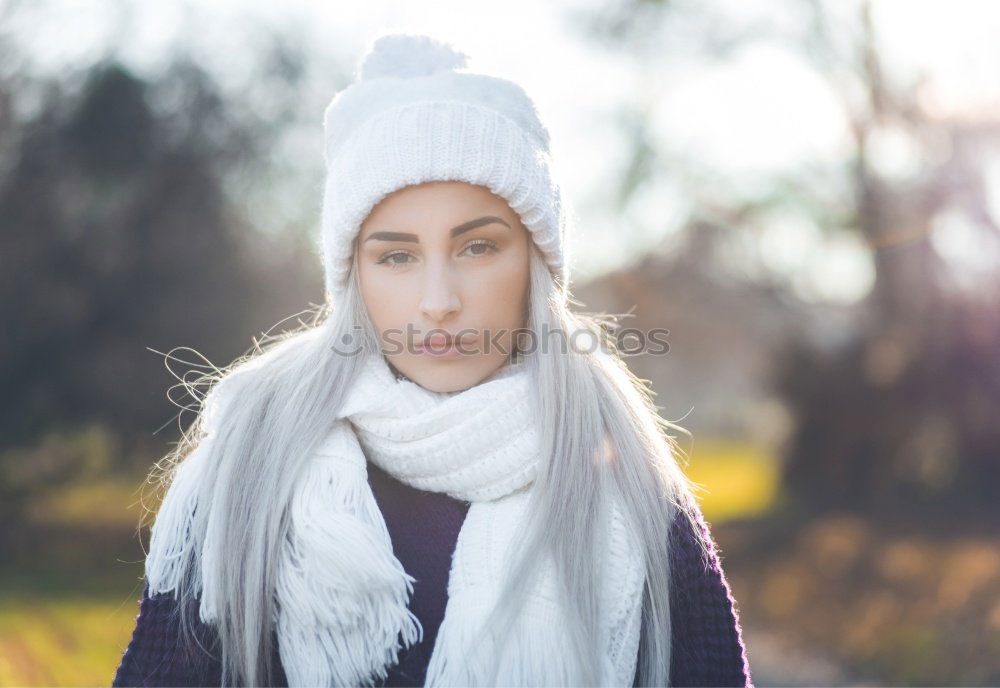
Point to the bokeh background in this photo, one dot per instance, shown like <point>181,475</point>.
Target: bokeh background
<point>806,193</point>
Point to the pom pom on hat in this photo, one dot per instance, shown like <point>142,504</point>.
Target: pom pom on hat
<point>408,55</point>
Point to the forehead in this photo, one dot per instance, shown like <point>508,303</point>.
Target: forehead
<point>438,201</point>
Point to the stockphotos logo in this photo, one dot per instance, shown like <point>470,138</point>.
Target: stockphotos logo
<point>627,341</point>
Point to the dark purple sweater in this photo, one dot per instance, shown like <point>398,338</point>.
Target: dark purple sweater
<point>708,647</point>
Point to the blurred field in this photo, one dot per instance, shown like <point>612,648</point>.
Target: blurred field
<point>740,480</point>
<point>889,606</point>
<point>909,606</point>
<point>67,617</point>
<point>68,605</point>
<point>66,641</point>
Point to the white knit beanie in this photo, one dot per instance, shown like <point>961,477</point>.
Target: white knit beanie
<point>417,114</point>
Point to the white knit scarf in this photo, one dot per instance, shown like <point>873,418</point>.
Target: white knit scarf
<point>342,595</point>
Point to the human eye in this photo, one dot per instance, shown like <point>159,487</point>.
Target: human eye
<point>480,247</point>
<point>390,258</point>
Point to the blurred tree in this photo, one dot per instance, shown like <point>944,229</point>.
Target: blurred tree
<point>120,232</point>
<point>895,422</point>
<point>893,417</point>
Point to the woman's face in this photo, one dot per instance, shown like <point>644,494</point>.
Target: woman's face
<point>443,269</point>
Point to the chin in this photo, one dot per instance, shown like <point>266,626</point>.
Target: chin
<point>447,374</point>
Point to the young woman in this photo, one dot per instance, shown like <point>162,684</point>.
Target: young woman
<point>448,477</point>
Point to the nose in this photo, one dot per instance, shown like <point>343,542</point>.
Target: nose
<point>440,298</point>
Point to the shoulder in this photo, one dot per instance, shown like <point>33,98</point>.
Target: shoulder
<point>695,558</point>
<point>158,654</point>
<point>691,540</point>
<point>708,646</point>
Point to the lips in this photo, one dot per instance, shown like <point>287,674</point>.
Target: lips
<point>440,342</point>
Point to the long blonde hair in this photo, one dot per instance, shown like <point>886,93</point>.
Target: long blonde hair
<point>590,406</point>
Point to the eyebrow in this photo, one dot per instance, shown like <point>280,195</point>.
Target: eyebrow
<point>455,231</point>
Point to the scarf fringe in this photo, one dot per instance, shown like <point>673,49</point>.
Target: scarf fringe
<point>170,542</point>
<point>337,628</point>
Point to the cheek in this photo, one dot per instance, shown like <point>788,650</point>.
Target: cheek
<point>500,298</point>
<point>385,302</point>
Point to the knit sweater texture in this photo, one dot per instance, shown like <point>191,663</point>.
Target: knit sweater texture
<point>707,642</point>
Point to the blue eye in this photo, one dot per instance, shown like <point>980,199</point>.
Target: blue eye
<point>490,246</point>
<point>387,258</point>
